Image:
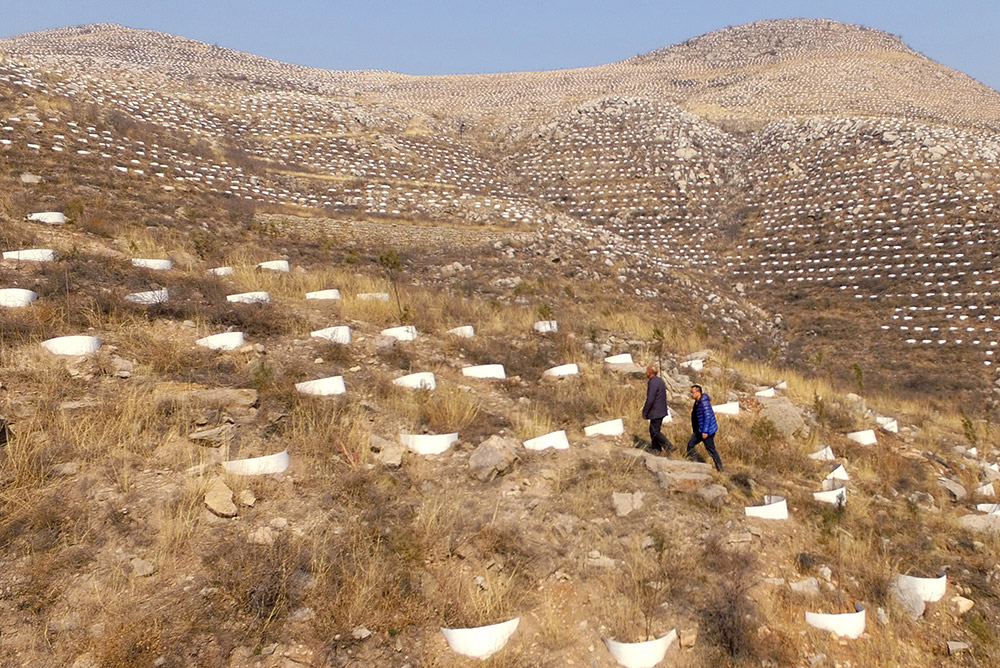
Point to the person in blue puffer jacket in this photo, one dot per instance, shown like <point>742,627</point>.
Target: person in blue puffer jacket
<point>704,427</point>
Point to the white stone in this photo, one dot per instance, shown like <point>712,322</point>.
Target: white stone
<point>546,326</point>
<point>483,641</point>
<point>640,654</point>
<point>614,427</point>
<point>324,294</point>
<point>494,371</point>
<point>223,341</point>
<point>465,331</point>
<point>693,365</point>
<point>402,333</point>
<point>258,297</point>
<point>428,444</point>
<point>888,424</point>
<point>72,345</point>
<point>556,440</point>
<point>623,358</point>
<point>774,508</point>
<point>275,265</point>
<point>222,271</point>
<point>322,387</point>
<point>561,370</point>
<point>48,217</point>
<point>148,298</point>
<point>16,297</point>
<point>864,437</point>
<point>339,334</point>
<point>846,625</point>
<point>149,263</point>
<point>423,380</point>
<point>31,255</point>
<point>276,463</point>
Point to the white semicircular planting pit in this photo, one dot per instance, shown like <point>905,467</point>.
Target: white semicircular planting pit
<point>339,334</point>
<point>422,380</point>
<point>402,333</point>
<point>464,332</point>
<point>258,297</point>
<point>729,408</point>
<point>480,642</point>
<point>546,326</point>
<point>275,265</point>
<point>765,393</point>
<point>16,297</point>
<point>48,217</point>
<point>824,454</point>
<point>988,508</point>
<point>324,295</point>
<point>781,385</point>
<point>561,371</point>
<point>930,590</point>
<point>222,271</point>
<point>266,465</point>
<point>148,298</point>
<point>428,444</point>
<point>72,345</point>
<point>322,387</point>
<point>774,508</point>
<point>493,371</point>
<point>31,255</point>
<point>846,625</point>
<point>623,358</point>
<point>644,654</point>
<point>556,440</point>
<point>223,341</point>
<point>863,437</point>
<point>614,427</point>
<point>152,263</point>
<point>839,473</point>
<point>834,493</point>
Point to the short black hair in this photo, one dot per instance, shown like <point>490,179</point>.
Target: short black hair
<point>698,387</point>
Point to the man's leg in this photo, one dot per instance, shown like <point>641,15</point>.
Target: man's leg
<point>692,454</point>
<point>713,453</point>
<point>656,437</point>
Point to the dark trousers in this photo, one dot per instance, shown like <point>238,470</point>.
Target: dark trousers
<point>709,445</point>
<point>656,437</point>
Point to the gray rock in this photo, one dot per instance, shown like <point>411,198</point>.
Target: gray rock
<point>907,598</point>
<point>30,179</point>
<point>985,523</point>
<point>624,502</point>
<point>817,660</point>
<point>219,499</point>
<point>214,436</point>
<point>493,457</point>
<point>713,495</point>
<point>808,587</point>
<point>956,490</point>
<point>957,647</point>
<point>262,536</point>
<point>390,453</point>
<point>882,617</point>
<point>785,416</point>
<point>142,568</point>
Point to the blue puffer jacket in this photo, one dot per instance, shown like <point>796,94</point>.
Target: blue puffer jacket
<point>704,416</point>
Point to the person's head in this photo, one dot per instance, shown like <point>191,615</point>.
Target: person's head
<point>696,392</point>
<point>652,370</point>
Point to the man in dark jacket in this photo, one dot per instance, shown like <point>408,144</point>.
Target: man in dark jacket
<point>704,426</point>
<point>655,409</point>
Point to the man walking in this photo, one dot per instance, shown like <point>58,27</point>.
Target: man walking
<point>655,409</point>
<point>704,426</point>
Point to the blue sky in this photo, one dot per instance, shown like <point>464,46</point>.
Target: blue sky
<point>451,36</point>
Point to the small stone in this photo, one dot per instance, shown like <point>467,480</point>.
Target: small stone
<point>279,523</point>
<point>493,457</point>
<point>817,660</point>
<point>624,502</point>
<point>713,495</point>
<point>141,568</point>
<point>907,598</point>
<point>66,469</point>
<point>957,647</point>
<point>688,637</point>
<point>247,498</point>
<point>262,536</point>
<point>956,490</point>
<point>219,499</point>
<point>882,617</point>
<point>809,586</point>
<point>962,604</point>
<point>825,572</point>
<point>360,633</point>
